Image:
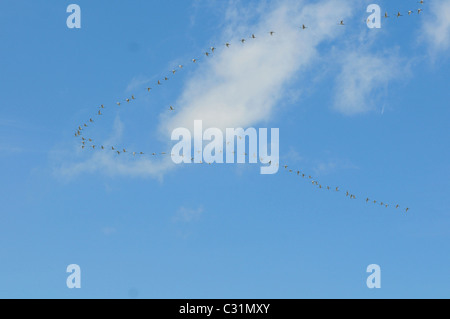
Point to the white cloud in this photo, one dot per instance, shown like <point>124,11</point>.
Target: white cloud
<point>111,164</point>
<point>107,230</point>
<point>436,29</point>
<point>241,85</point>
<point>136,83</point>
<point>362,75</point>
<point>187,215</point>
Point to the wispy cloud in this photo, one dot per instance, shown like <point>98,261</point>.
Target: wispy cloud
<point>361,79</point>
<point>241,85</point>
<point>187,215</point>
<point>107,230</point>
<point>136,83</point>
<point>436,29</point>
<point>111,164</point>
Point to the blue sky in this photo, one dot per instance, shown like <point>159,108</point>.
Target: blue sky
<point>363,109</point>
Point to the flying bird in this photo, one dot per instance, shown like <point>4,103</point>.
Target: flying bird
<point>227,44</point>
<point>304,27</point>
<point>271,32</point>
<point>171,108</point>
<point>399,15</point>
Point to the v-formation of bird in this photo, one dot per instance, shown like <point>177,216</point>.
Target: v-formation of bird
<point>119,151</point>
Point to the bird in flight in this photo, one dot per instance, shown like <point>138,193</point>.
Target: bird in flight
<point>419,11</point>
<point>304,27</point>
<point>243,40</point>
<point>194,60</point>
<point>406,210</point>
<point>148,89</point>
<point>227,44</point>
<point>409,12</point>
<point>399,15</point>
<point>271,32</point>
<point>253,36</point>
<point>342,22</point>
<point>386,15</point>
<point>171,108</point>
<point>118,103</point>
<point>213,49</point>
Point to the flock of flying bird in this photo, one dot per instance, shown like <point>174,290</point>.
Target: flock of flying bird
<point>89,142</point>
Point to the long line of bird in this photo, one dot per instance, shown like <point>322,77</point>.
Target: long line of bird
<point>89,143</point>
<point>209,53</point>
<point>298,172</point>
